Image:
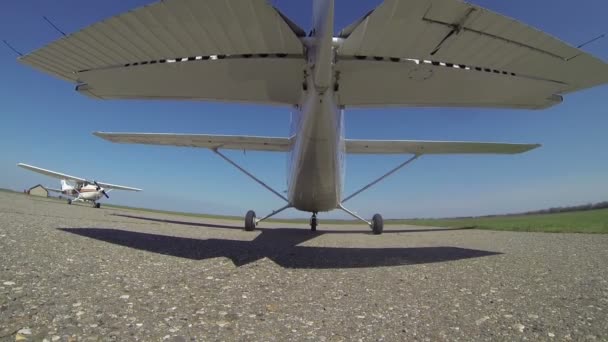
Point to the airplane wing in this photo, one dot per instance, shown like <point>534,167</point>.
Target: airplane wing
<point>50,173</point>
<point>433,147</point>
<point>450,53</point>
<point>231,142</point>
<point>117,187</point>
<point>224,50</point>
<point>60,175</point>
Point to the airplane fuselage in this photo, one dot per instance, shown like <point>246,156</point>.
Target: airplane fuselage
<point>85,193</point>
<point>316,162</point>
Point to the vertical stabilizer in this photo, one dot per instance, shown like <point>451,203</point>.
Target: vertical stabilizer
<point>65,186</point>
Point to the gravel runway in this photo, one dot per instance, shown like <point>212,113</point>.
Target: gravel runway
<point>74,273</point>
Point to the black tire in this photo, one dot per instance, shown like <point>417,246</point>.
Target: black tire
<point>377,224</point>
<point>69,201</point>
<point>250,221</point>
<point>313,224</point>
<point>97,205</point>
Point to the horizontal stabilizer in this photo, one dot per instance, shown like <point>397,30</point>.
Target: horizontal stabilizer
<point>433,147</point>
<point>230,142</point>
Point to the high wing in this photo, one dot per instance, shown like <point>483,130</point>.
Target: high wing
<point>224,50</point>
<point>117,187</point>
<point>451,53</point>
<point>53,174</point>
<point>433,147</point>
<point>79,180</point>
<point>231,142</point>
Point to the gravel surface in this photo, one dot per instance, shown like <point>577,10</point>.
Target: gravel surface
<point>74,273</point>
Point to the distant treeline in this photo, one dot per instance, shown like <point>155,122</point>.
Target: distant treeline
<point>582,207</point>
<point>555,210</point>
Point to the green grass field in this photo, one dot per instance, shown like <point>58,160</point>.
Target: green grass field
<point>590,221</point>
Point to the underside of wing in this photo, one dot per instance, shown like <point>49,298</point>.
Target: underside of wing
<point>407,83</point>
<point>433,147</point>
<point>230,142</point>
<point>448,52</point>
<point>183,49</point>
<point>269,80</point>
<point>50,173</point>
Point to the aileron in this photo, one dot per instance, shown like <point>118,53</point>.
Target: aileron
<point>180,29</point>
<point>457,33</point>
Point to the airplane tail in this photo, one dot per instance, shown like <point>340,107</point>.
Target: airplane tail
<point>65,186</point>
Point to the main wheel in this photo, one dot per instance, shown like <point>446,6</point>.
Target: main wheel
<point>97,205</point>
<point>250,221</point>
<point>377,224</point>
<point>69,201</point>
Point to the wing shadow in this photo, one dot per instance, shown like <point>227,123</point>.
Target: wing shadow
<point>279,245</point>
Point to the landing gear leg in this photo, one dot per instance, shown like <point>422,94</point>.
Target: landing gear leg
<point>251,221</point>
<point>313,222</point>
<point>376,224</point>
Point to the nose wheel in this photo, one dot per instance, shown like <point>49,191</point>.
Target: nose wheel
<point>313,222</point>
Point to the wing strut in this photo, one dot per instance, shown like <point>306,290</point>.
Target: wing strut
<point>379,179</point>
<point>353,214</point>
<point>249,174</point>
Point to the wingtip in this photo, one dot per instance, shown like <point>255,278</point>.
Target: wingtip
<point>531,147</point>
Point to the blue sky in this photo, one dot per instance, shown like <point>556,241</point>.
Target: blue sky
<point>44,122</point>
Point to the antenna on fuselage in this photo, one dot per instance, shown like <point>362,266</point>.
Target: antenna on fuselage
<point>12,48</point>
<point>592,40</point>
<point>54,26</point>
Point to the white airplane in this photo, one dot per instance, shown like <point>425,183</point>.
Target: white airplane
<point>424,53</point>
<point>81,190</point>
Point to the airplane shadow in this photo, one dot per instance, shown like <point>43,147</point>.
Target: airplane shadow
<point>279,245</point>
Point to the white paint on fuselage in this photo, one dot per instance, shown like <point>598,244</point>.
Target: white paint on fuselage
<point>316,161</point>
<point>317,158</point>
<point>84,193</point>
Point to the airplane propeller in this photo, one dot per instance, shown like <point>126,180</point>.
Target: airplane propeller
<point>100,188</point>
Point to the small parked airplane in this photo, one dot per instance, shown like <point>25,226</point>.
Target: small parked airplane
<point>82,190</point>
<point>425,53</point>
